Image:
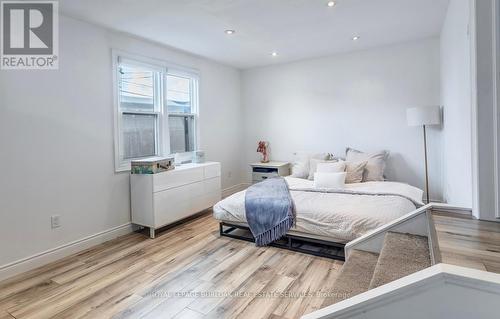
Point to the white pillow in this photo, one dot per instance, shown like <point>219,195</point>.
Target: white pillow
<point>300,166</point>
<point>329,180</point>
<point>313,164</point>
<point>330,167</point>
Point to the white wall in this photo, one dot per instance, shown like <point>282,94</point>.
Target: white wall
<point>356,99</point>
<point>56,139</point>
<point>456,101</point>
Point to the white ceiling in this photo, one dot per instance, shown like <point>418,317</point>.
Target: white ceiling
<point>296,29</point>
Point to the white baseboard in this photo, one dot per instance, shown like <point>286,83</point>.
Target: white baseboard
<point>453,208</point>
<point>234,189</point>
<point>62,251</point>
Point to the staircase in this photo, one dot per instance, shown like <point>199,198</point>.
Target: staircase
<point>396,271</point>
<point>402,254</point>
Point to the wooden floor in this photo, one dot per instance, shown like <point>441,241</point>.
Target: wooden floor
<point>186,272</point>
<point>468,242</point>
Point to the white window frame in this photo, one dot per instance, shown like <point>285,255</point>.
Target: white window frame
<point>163,136</point>
<point>194,101</point>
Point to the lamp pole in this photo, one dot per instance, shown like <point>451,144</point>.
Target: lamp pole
<point>426,172</point>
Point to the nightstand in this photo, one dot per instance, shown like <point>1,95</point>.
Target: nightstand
<point>262,171</point>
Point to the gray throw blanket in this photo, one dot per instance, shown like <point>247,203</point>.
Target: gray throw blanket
<point>269,210</point>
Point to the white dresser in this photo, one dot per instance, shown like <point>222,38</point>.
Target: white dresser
<point>164,198</point>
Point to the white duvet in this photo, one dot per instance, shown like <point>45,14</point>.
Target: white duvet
<point>341,215</point>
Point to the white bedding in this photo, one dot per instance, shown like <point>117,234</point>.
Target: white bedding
<point>340,215</point>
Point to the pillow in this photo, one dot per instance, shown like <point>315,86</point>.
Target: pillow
<point>330,167</point>
<point>313,163</point>
<point>300,168</point>
<point>375,163</point>
<point>329,180</point>
<point>354,172</point>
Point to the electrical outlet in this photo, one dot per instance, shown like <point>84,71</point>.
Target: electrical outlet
<point>229,174</point>
<point>55,221</point>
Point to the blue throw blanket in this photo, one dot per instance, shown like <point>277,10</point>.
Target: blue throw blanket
<point>269,210</point>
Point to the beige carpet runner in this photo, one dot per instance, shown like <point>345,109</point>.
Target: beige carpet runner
<point>401,255</point>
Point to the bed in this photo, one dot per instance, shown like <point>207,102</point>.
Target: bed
<point>333,216</point>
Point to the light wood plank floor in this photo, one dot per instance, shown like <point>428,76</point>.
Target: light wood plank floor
<point>186,272</point>
<point>468,242</point>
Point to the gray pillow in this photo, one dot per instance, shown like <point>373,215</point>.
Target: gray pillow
<point>375,163</point>
<point>354,172</point>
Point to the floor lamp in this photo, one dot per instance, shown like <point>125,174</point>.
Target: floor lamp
<point>424,116</point>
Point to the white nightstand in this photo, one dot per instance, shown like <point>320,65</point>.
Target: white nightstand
<point>262,171</point>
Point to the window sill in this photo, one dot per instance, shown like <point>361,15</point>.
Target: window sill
<point>123,167</point>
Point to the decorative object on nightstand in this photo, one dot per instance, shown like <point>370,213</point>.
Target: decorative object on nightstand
<point>262,171</point>
<point>422,116</point>
<point>263,148</point>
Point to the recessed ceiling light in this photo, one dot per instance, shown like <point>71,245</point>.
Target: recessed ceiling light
<point>274,53</point>
<point>229,31</point>
<point>331,4</point>
<point>355,38</point>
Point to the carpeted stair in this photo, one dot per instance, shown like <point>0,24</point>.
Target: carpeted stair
<point>401,255</point>
<point>355,275</point>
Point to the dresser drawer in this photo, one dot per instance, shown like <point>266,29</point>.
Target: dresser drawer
<point>175,204</point>
<point>212,170</point>
<point>176,178</point>
<point>259,177</point>
<point>212,192</point>
<point>178,203</point>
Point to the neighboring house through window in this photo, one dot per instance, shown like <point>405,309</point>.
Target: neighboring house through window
<point>156,110</point>
<point>181,112</point>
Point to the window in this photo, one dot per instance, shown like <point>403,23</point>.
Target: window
<point>140,109</point>
<point>156,111</point>
<point>181,112</point>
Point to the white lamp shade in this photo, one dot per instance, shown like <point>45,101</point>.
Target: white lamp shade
<point>426,115</point>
